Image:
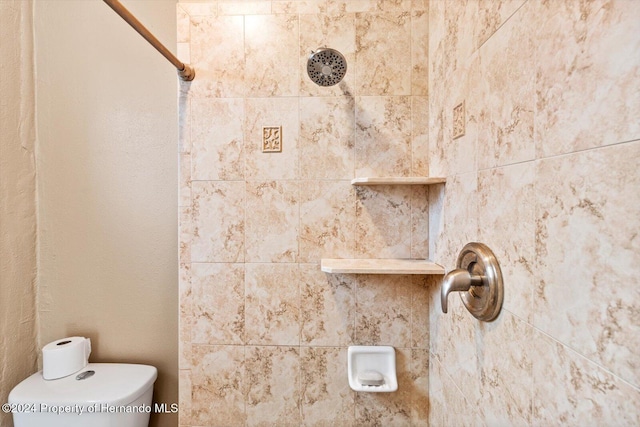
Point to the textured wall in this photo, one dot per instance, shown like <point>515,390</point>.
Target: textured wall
<point>264,333</point>
<point>17,199</point>
<point>107,184</point>
<point>546,175</point>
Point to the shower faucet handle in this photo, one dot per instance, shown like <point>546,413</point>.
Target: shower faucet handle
<point>478,278</point>
<point>458,280</point>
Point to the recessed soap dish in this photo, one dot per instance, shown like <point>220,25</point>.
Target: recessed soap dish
<point>372,368</point>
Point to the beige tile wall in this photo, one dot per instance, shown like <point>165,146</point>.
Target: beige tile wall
<point>264,333</point>
<point>546,175</point>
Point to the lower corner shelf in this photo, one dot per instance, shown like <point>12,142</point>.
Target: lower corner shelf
<point>380,266</point>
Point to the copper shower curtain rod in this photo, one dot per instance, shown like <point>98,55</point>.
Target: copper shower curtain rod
<point>185,71</point>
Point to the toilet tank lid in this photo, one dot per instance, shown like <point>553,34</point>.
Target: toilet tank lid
<point>112,384</point>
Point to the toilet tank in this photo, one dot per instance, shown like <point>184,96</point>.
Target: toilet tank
<point>100,395</point>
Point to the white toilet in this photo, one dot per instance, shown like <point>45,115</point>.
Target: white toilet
<point>99,395</point>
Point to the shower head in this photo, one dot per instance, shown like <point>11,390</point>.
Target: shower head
<point>326,67</point>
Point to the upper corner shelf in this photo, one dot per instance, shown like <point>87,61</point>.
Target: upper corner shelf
<point>414,180</point>
<point>380,266</point>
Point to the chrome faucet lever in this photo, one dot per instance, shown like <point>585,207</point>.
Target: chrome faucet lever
<point>458,280</point>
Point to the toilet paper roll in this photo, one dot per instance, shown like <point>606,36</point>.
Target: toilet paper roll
<point>64,357</point>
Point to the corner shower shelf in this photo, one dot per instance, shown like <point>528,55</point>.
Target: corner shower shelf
<point>387,180</point>
<point>380,266</point>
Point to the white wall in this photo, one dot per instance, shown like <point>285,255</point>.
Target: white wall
<point>107,184</point>
<point>17,199</point>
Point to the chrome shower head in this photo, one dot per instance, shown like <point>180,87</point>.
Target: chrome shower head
<point>326,67</point>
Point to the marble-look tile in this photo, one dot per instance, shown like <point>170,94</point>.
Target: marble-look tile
<point>588,75</point>
<point>327,399</point>
<point>184,124</point>
<point>419,387</point>
<point>383,310</point>
<point>272,221</point>
<point>303,7</point>
<point>389,409</point>
<point>199,9</point>
<point>436,398</point>
<point>459,223</point>
<point>271,55</point>
<point>217,386</point>
<point>453,342</point>
<point>570,390</point>
<point>420,222</point>
<point>327,220</point>
<point>327,307</point>
<point>183,24</point>
<point>218,221</point>
<point>458,411</point>
<point>218,303</point>
<point>451,40</point>
<point>185,319</point>
<point>492,15</point>
<point>260,112</point>
<point>244,7</point>
<point>336,32</point>
<point>327,138</point>
<point>383,53</point>
<point>419,136</point>
<point>184,190</point>
<point>421,288</point>
<point>505,370</point>
<point>217,54</point>
<point>436,217</point>
<point>587,294</point>
<point>272,379</point>
<point>185,235</point>
<point>351,6</point>
<point>383,222</point>
<point>506,99</point>
<point>383,136</point>
<point>272,305</point>
<point>184,398</point>
<point>507,227</point>
<point>420,53</point>
<point>217,151</point>
<point>447,155</point>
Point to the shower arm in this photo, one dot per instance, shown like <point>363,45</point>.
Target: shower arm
<point>186,72</point>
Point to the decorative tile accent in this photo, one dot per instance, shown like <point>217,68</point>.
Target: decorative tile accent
<point>458,120</point>
<point>259,111</point>
<point>271,139</point>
